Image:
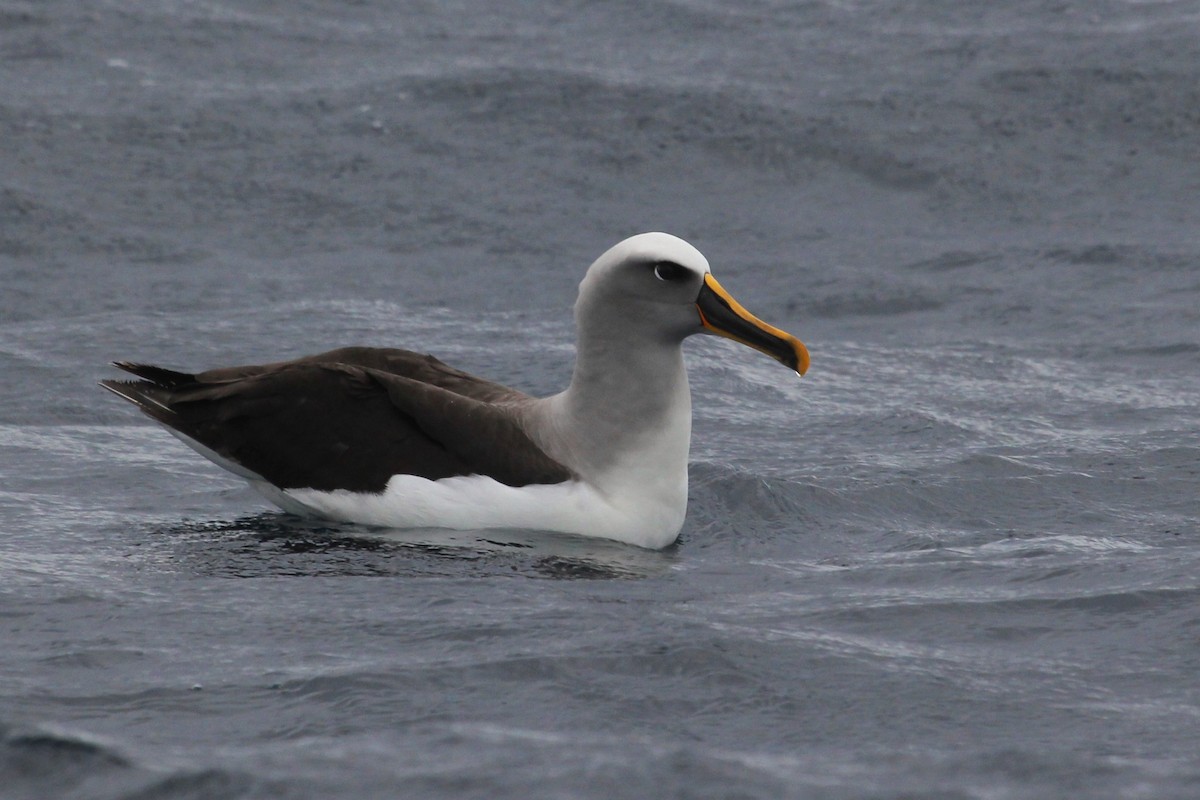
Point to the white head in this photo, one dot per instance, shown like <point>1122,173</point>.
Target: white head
<point>655,286</point>
<point>645,285</point>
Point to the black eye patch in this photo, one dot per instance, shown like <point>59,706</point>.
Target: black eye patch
<point>670,271</point>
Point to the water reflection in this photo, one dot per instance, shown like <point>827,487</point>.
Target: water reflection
<point>274,544</point>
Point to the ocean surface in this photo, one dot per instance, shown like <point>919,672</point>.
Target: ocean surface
<point>959,559</point>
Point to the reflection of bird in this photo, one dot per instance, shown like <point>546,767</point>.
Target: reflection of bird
<point>392,438</point>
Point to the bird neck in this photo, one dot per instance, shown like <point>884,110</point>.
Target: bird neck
<point>628,401</point>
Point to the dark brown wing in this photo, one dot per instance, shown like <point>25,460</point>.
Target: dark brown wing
<point>332,425</point>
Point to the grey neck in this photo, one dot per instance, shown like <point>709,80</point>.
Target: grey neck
<point>629,393</point>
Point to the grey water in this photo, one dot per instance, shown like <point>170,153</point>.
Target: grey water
<point>959,559</point>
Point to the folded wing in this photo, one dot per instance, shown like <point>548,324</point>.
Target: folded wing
<point>349,419</point>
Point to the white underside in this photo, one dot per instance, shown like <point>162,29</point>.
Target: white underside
<point>633,515</point>
<point>477,502</point>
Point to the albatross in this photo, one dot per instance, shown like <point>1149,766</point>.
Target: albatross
<point>393,438</point>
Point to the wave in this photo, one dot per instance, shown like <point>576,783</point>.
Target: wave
<point>38,764</point>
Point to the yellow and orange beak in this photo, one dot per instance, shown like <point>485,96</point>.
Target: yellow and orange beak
<point>724,316</point>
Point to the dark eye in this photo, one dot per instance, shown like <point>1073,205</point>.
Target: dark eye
<point>670,271</point>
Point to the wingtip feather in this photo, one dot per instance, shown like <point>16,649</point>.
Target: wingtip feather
<point>158,376</point>
<point>135,392</point>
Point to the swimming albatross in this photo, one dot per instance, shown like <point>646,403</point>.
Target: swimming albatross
<point>397,439</point>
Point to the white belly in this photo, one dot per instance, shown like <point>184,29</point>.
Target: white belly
<point>478,502</point>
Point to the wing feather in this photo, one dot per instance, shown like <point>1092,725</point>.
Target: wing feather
<point>348,419</point>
